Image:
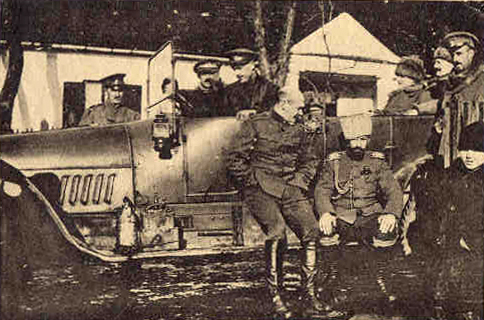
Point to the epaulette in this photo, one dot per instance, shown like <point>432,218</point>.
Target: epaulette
<point>335,155</point>
<point>94,107</point>
<point>260,116</point>
<point>377,155</point>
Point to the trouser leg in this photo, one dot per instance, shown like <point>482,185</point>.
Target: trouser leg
<point>381,249</point>
<point>299,215</point>
<point>267,212</point>
<point>334,291</point>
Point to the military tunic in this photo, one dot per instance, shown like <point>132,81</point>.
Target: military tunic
<point>102,114</point>
<point>357,192</point>
<point>258,93</point>
<point>463,104</point>
<point>204,103</point>
<point>273,163</point>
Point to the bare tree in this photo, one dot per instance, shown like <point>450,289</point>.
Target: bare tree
<point>277,70</point>
<point>11,15</point>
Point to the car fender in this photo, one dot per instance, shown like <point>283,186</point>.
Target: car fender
<point>22,206</point>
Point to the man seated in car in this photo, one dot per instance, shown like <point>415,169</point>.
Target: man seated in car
<point>410,92</point>
<point>252,92</point>
<point>111,110</point>
<point>207,100</point>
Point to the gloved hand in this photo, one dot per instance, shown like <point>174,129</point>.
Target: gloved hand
<point>387,222</point>
<point>327,223</point>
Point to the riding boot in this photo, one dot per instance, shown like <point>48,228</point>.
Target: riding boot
<point>333,294</point>
<point>381,258</point>
<point>281,251</point>
<point>308,277</point>
<point>274,251</point>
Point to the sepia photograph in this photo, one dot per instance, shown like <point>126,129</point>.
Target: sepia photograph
<point>241,160</point>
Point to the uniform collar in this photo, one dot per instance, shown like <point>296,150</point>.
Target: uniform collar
<point>459,169</point>
<point>281,119</point>
<point>216,85</point>
<point>415,88</point>
<point>110,111</point>
<point>465,79</point>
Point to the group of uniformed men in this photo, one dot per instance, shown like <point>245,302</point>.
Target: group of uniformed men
<point>211,98</point>
<point>275,163</point>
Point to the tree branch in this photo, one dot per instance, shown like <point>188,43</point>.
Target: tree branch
<point>283,61</point>
<point>260,40</point>
<point>11,83</point>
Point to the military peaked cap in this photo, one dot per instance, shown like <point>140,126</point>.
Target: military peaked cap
<point>455,40</point>
<point>207,67</point>
<point>114,81</point>
<point>241,56</point>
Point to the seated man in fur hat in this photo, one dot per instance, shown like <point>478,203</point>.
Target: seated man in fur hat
<point>356,198</point>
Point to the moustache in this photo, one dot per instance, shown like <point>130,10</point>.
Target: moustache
<point>357,153</point>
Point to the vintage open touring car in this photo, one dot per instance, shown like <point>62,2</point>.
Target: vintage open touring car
<point>160,181</point>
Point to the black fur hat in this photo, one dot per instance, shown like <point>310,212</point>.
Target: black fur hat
<point>472,137</point>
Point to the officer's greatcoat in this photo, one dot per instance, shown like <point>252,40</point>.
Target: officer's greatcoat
<point>406,99</point>
<point>463,105</point>
<point>460,269</point>
<point>102,114</point>
<point>205,103</point>
<point>273,153</point>
<point>350,188</point>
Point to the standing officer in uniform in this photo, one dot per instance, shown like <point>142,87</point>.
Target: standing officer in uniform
<point>272,163</point>
<point>251,91</point>
<point>463,101</point>
<point>356,198</point>
<point>207,99</point>
<point>111,110</point>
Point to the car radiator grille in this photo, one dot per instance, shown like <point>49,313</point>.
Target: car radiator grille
<point>87,189</point>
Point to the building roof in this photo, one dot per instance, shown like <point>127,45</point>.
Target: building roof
<point>347,38</point>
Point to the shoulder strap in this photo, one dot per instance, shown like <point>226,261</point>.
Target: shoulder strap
<point>377,155</point>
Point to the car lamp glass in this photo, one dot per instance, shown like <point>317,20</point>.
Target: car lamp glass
<point>162,134</point>
<point>11,189</point>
